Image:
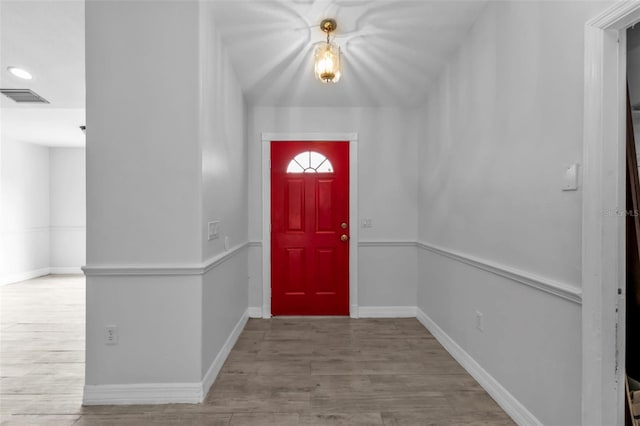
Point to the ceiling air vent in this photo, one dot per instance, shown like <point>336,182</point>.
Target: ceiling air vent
<point>24,96</point>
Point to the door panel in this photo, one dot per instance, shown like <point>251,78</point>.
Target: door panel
<point>324,205</point>
<point>295,205</point>
<point>294,283</point>
<point>309,205</point>
<point>326,270</point>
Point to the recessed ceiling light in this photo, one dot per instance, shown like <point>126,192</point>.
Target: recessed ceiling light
<point>20,73</point>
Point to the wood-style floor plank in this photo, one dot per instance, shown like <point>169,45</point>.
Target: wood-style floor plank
<point>282,371</point>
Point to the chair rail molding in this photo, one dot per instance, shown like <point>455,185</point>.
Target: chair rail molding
<point>160,270</point>
<point>556,288</point>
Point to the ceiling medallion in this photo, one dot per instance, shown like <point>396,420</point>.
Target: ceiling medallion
<point>327,56</point>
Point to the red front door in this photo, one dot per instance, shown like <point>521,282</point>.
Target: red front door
<point>310,228</point>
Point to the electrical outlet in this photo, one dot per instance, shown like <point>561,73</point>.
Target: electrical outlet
<point>111,335</point>
<point>479,321</point>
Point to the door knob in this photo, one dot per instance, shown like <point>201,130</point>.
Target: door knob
<point>344,237</point>
<point>344,225</point>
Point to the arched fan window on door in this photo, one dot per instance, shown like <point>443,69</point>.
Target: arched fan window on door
<point>310,162</point>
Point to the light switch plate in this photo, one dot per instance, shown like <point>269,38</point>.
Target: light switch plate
<point>214,230</point>
<point>570,178</point>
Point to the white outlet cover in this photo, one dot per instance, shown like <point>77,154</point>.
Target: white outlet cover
<point>479,321</point>
<point>111,335</point>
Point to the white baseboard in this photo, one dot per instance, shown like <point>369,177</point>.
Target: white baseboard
<point>386,311</point>
<point>145,393</point>
<point>502,396</point>
<point>218,362</point>
<point>67,270</point>
<point>353,311</point>
<point>23,276</point>
<point>255,312</point>
<point>164,393</point>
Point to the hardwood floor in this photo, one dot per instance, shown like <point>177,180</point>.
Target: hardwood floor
<point>283,371</point>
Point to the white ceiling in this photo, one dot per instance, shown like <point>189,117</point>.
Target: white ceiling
<point>391,51</point>
<point>46,38</point>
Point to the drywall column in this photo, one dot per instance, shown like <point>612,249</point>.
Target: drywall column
<point>224,199</point>
<point>144,249</point>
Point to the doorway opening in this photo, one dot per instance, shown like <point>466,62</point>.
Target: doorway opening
<point>632,305</point>
<point>42,209</point>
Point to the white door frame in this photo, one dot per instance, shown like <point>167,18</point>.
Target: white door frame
<point>267,138</point>
<point>603,230</point>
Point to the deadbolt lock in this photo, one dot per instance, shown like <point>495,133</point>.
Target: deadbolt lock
<point>344,225</point>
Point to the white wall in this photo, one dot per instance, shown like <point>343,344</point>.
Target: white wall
<point>387,275</point>
<point>158,320</point>
<point>166,154</point>
<point>224,191</point>
<point>224,143</point>
<point>387,191</point>
<point>503,120</point>
<point>24,211</point>
<point>143,156</point>
<point>42,210</point>
<point>68,209</point>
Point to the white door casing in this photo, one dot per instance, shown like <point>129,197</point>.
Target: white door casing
<point>267,138</point>
<point>603,235</point>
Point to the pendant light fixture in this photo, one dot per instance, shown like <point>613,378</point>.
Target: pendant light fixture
<point>327,56</point>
